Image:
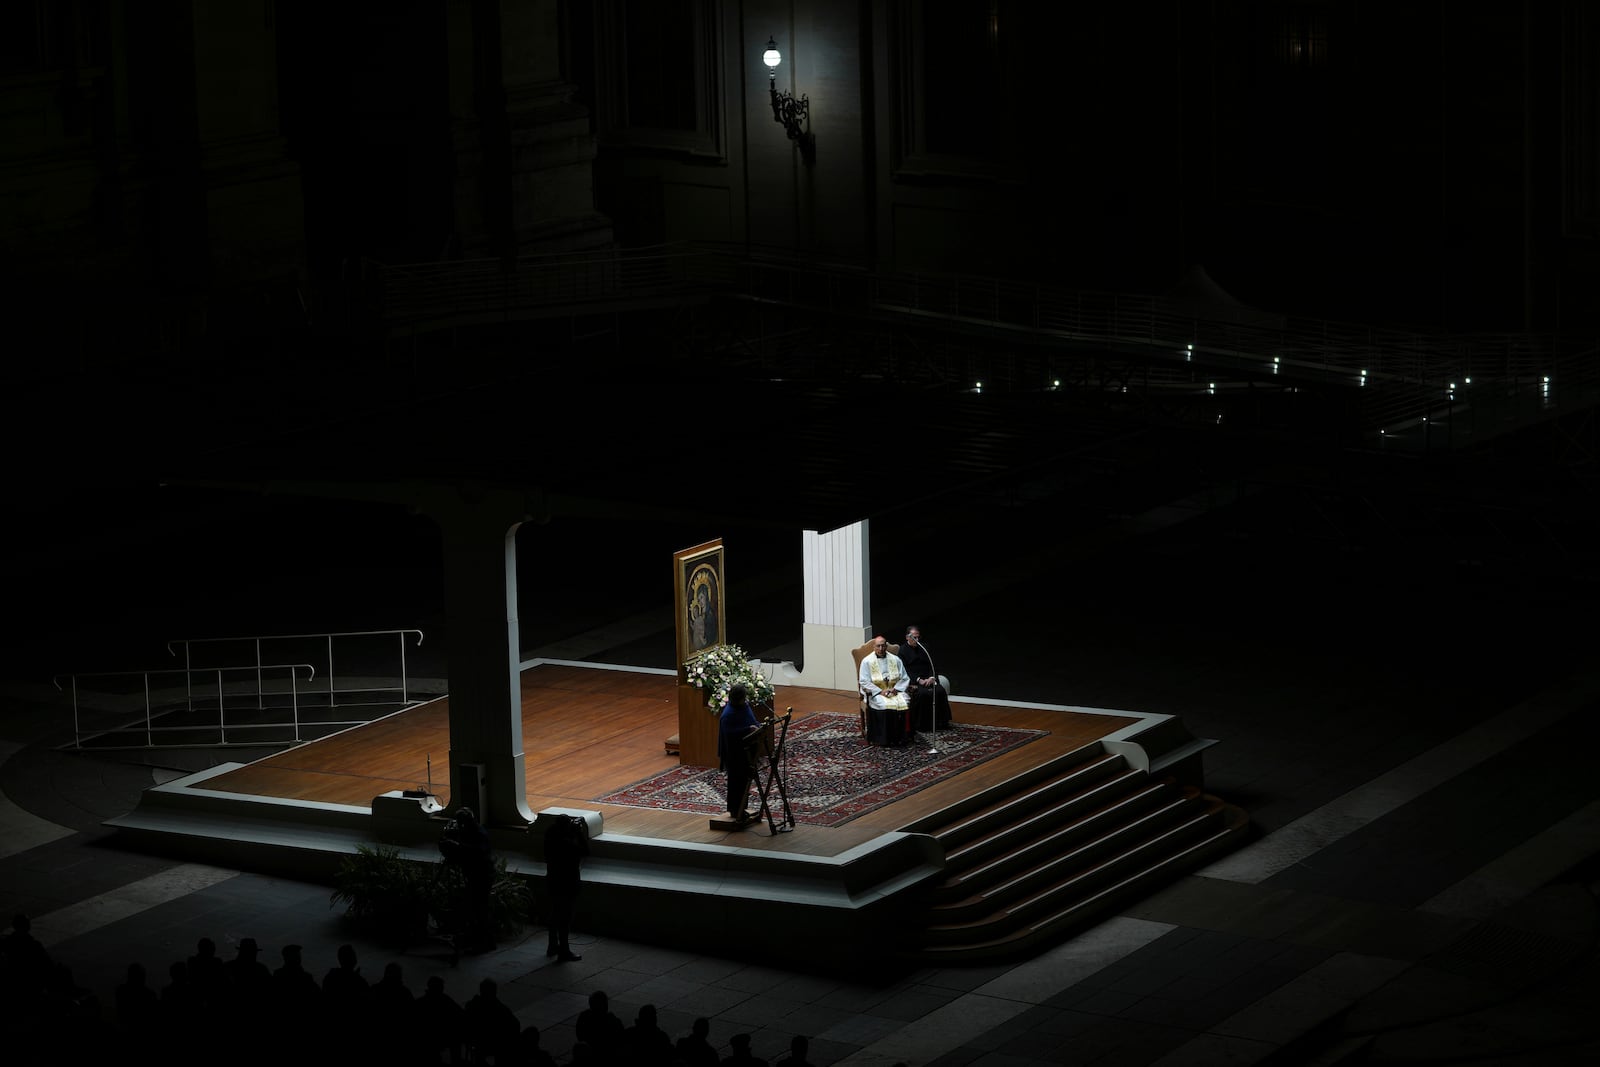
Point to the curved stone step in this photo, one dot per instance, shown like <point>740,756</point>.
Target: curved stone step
<point>1002,945</point>
<point>1000,806</point>
<point>1054,832</point>
<point>1080,847</point>
<point>972,810</point>
<point>1054,881</point>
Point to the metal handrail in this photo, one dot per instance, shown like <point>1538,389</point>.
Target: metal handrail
<point>150,729</point>
<point>188,644</point>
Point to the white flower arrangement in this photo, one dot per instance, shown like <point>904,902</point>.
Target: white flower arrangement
<point>719,669</point>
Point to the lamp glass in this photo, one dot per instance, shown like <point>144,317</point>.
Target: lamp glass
<point>772,57</point>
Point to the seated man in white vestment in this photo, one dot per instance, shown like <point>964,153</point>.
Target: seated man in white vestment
<point>884,680</point>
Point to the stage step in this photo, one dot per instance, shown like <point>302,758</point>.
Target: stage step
<point>1051,855</point>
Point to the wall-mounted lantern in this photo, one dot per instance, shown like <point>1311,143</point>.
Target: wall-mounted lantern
<point>794,114</point>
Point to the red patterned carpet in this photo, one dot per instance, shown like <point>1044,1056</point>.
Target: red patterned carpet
<point>830,772</point>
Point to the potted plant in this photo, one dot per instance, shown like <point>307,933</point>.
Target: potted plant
<point>394,897</point>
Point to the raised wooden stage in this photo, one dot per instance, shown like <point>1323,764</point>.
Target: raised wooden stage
<point>653,875</point>
<point>588,731</point>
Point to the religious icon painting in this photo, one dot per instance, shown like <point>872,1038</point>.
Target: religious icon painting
<point>698,578</point>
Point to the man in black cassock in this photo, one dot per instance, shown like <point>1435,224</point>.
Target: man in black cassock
<point>930,704</point>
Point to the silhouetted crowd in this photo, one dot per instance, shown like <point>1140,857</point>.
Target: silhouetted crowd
<point>241,1010</point>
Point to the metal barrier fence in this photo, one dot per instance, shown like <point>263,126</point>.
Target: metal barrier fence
<point>116,721</point>
<point>238,695</point>
<point>302,644</point>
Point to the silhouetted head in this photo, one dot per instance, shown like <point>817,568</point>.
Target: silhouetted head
<point>248,947</point>
<point>740,1042</point>
<point>489,987</point>
<point>738,695</point>
<point>347,957</point>
<point>798,1045</point>
<point>702,1027</point>
<point>435,984</point>
<point>466,815</point>
<point>598,1000</point>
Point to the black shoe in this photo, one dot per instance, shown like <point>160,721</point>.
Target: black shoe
<point>568,957</point>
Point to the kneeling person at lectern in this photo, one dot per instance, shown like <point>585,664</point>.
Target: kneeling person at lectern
<point>734,725</point>
<point>884,681</point>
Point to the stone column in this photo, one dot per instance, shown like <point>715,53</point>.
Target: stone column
<point>524,149</point>
<point>480,557</point>
<point>251,200</point>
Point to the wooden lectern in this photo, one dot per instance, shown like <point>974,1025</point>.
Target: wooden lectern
<point>697,728</point>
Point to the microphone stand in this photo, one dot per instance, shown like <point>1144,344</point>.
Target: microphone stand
<point>933,702</point>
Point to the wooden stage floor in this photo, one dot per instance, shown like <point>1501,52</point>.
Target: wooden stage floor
<point>588,730</point>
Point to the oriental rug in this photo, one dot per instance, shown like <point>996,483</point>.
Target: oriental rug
<point>830,773</point>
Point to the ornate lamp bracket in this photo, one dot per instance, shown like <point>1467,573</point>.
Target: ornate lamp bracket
<point>793,113</point>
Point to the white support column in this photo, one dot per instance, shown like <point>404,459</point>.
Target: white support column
<point>838,604</point>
